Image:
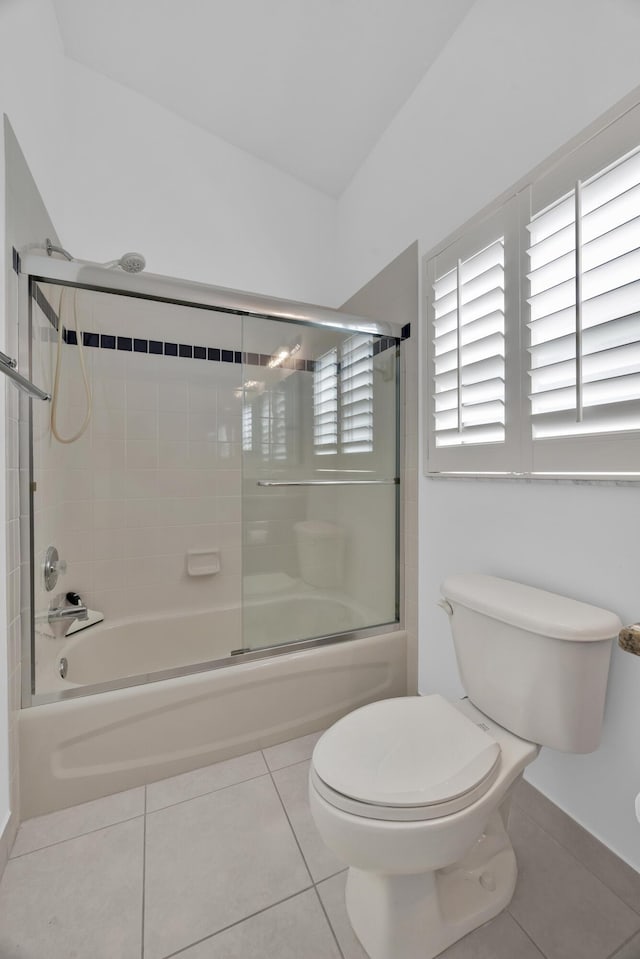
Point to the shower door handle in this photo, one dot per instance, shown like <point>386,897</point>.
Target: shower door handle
<point>330,482</point>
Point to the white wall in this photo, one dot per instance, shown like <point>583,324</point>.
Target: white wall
<point>515,82</point>
<point>117,172</point>
<point>137,177</point>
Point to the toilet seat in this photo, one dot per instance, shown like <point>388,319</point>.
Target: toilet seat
<point>406,759</point>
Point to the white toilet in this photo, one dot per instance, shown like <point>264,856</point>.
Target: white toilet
<point>413,793</point>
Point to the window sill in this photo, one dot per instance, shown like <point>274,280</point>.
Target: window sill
<point>586,479</point>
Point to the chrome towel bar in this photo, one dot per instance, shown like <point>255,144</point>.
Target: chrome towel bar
<point>330,482</point>
<point>8,366</point>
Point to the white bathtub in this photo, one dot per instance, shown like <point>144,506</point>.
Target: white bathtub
<point>82,748</point>
<point>112,651</point>
<point>121,649</point>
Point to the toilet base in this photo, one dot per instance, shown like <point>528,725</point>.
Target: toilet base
<point>417,916</point>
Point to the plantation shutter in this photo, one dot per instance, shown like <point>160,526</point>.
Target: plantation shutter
<point>356,394</point>
<point>325,403</point>
<point>468,297</point>
<point>584,322</point>
<point>469,350</point>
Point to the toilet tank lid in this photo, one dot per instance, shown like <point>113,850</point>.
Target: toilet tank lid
<point>535,610</point>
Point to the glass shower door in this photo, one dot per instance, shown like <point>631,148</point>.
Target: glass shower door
<point>319,475</point>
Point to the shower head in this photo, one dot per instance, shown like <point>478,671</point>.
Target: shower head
<point>132,262</point>
<point>129,262</point>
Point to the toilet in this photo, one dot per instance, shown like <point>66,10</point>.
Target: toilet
<point>413,793</point>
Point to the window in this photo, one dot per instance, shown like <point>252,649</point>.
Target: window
<point>533,335</point>
<point>356,394</point>
<point>325,403</point>
<point>469,350</point>
<point>471,291</point>
<point>343,398</point>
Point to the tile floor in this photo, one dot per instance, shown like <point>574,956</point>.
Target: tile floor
<point>225,863</point>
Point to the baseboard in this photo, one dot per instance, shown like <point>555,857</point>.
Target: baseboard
<point>7,839</point>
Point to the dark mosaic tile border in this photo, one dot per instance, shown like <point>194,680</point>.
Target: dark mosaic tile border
<point>129,344</point>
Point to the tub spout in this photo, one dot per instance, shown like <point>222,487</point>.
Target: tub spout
<point>66,615</point>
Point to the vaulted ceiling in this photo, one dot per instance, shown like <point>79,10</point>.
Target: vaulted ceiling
<point>306,85</point>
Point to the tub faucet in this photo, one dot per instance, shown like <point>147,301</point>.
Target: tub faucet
<point>68,613</point>
<point>64,616</point>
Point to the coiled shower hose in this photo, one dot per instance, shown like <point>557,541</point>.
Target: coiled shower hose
<point>56,379</point>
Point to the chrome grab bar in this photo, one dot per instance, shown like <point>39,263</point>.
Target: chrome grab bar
<point>330,482</point>
<point>8,366</point>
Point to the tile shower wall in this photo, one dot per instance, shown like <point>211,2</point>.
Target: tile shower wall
<point>157,472</point>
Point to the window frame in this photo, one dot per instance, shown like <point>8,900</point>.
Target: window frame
<point>604,456</point>
<point>478,457</point>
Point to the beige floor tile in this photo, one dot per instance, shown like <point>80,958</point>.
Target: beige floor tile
<point>332,894</point>
<point>502,938</point>
<point>295,929</point>
<point>563,907</point>
<point>206,780</point>
<point>609,868</point>
<point>80,898</point>
<point>78,820</point>
<point>293,751</point>
<point>630,950</point>
<point>292,784</point>
<point>214,860</point>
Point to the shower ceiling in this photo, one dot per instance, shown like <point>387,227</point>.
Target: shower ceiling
<point>306,85</point>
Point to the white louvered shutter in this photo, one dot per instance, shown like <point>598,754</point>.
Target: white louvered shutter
<point>325,403</point>
<point>469,334</point>
<point>468,299</point>
<point>584,277</point>
<point>356,394</point>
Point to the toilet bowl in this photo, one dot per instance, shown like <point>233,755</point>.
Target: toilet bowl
<point>413,794</point>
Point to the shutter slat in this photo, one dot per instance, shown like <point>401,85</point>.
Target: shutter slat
<point>472,435</point>
<point>612,418</point>
<point>488,368</point>
<point>615,180</point>
<point>553,246</point>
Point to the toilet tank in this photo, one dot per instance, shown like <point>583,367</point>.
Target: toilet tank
<point>535,662</point>
<point>321,549</point>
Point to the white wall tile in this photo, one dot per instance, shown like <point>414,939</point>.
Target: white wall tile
<point>173,426</point>
<point>142,454</point>
<point>173,396</point>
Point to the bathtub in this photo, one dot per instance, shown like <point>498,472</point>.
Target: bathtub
<point>138,648</point>
<point>87,746</point>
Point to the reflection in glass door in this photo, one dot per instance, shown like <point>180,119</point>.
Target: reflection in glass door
<point>320,489</point>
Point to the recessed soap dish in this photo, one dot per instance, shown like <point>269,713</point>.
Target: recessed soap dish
<point>203,562</point>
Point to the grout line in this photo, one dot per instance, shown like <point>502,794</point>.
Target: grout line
<point>576,858</point>
<point>144,874</point>
<point>520,926</point>
<point>623,946</point>
<point>332,876</point>
<point>79,835</point>
<point>238,922</point>
<point>326,915</point>
<point>284,809</point>
<point>210,792</point>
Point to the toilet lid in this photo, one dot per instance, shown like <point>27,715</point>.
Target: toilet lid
<point>413,751</point>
